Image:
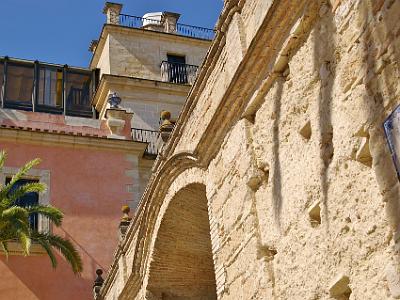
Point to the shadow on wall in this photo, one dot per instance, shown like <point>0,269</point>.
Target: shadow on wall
<point>277,176</point>
<point>381,72</point>
<point>324,61</point>
<point>46,283</point>
<point>37,275</point>
<point>325,64</point>
<point>94,264</point>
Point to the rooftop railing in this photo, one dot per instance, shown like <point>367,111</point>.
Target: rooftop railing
<point>156,25</point>
<point>178,73</point>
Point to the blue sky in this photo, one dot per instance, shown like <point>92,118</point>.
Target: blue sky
<point>60,31</point>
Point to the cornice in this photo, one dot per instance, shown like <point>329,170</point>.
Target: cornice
<point>109,82</point>
<point>66,140</point>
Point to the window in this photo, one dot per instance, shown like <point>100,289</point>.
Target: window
<point>1,78</point>
<point>19,86</point>
<point>175,59</point>
<point>50,87</point>
<point>30,199</point>
<point>177,72</point>
<point>79,93</point>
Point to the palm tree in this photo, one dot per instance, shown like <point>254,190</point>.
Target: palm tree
<point>15,224</point>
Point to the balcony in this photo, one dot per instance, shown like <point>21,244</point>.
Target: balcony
<point>178,73</point>
<point>159,25</point>
<point>147,136</point>
<point>41,87</point>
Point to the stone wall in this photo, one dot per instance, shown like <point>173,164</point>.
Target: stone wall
<point>138,53</point>
<point>284,129</point>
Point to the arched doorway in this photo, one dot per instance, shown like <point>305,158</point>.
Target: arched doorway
<point>181,266</point>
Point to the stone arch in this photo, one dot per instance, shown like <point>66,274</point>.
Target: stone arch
<point>181,262</point>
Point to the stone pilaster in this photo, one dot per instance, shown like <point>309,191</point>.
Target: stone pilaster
<point>112,11</point>
<point>170,19</point>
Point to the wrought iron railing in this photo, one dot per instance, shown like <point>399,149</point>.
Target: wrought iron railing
<point>178,73</point>
<point>146,136</point>
<point>157,25</point>
<point>195,31</point>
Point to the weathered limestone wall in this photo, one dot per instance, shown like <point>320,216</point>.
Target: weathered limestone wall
<point>284,129</point>
<point>317,213</point>
<point>104,60</point>
<point>139,53</point>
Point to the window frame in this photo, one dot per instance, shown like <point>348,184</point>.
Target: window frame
<point>17,103</point>
<point>71,109</point>
<point>39,175</point>
<point>2,81</point>
<point>44,107</point>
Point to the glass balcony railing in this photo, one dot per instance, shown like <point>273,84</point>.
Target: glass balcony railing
<point>56,89</point>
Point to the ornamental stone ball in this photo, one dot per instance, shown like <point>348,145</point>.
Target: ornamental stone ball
<point>126,210</point>
<point>165,115</point>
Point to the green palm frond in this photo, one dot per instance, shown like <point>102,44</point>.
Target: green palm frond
<point>15,212</point>
<point>21,172</point>
<point>65,246</point>
<point>53,214</point>
<point>33,187</point>
<point>5,248</point>
<point>15,225</point>
<point>25,241</point>
<point>3,156</point>
<point>46,246</point>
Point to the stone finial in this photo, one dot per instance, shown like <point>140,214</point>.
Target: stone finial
<point>112,10</point>
<point>170,19</point>
<point>98,283</point>
<point>125,221</point>
<point>93,45</point>
<point>126,210</point>
<point>166,125</point>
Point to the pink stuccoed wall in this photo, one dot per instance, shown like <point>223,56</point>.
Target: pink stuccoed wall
<point>89,186</point>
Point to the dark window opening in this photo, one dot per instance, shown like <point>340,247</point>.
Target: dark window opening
<point>177,72</point>
<point>176,59</point>
<point>19,85</point>
<point>28,200</point>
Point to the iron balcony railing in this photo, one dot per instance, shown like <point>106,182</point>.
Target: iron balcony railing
<point>146,136</point>
<point>178,73</point>
<point>180,29</point>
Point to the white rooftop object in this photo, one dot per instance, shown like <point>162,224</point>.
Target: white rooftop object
<point>153,18</point>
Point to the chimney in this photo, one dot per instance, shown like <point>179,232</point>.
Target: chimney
<point>112,10</point>
<point>169,19</point>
